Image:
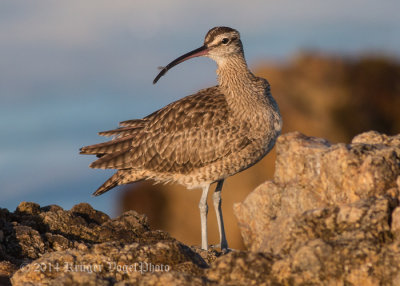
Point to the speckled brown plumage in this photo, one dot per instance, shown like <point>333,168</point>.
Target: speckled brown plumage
<point>202,138</point>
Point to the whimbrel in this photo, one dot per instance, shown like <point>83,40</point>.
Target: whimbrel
<point>202,138</point>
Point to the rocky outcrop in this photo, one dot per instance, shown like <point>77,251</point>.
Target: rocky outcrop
<point>331,216</point>
<point>311,173</point>
<point>54,246</point>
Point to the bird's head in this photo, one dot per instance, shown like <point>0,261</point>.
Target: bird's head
<point>220,43</point>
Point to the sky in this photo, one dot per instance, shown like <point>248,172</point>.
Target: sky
<point>69,69</point>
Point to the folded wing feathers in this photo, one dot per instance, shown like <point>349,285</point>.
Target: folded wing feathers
<point>117,160</point>
<point>108,147</point>
<point>112,182</point>
<point>120,132</point>
<point>136,123</point>
<point>181,138</point>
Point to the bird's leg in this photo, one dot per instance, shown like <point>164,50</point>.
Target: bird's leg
<point>203,217</point>
<point>218,212</point>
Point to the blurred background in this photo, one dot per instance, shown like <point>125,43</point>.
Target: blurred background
<point>69,69</point>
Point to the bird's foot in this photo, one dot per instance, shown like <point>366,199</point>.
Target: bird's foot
<point>223,250</point>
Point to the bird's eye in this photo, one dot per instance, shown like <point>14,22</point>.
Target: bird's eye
<point>225,40</point>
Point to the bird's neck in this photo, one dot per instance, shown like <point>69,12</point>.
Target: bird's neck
<point>240,87</point>
<point>233,73</point>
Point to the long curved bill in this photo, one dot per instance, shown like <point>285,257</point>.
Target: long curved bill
<point>195,53</point>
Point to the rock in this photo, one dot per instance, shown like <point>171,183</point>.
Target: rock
<point>89,214</point>
<point>351,244</point>
<point>332,212</point>
<point>112,261</point>
<point>330,217</point>
<point>242,268</point>
<point>323,246</point>
<point>28,242</point>
<point>396,223</point>
<point>47,237</point>
<point>169,278</point>
<point>338,173</point>
<point>312,173</point>
<point>28,208</point>
<point>373,137</point>
<point>6,270</point>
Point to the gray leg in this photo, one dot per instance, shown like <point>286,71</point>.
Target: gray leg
<point>203,217</point>
<point>218,211</point>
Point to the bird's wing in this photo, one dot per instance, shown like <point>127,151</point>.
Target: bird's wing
<point>186,134</point>
<point>190,133</point>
